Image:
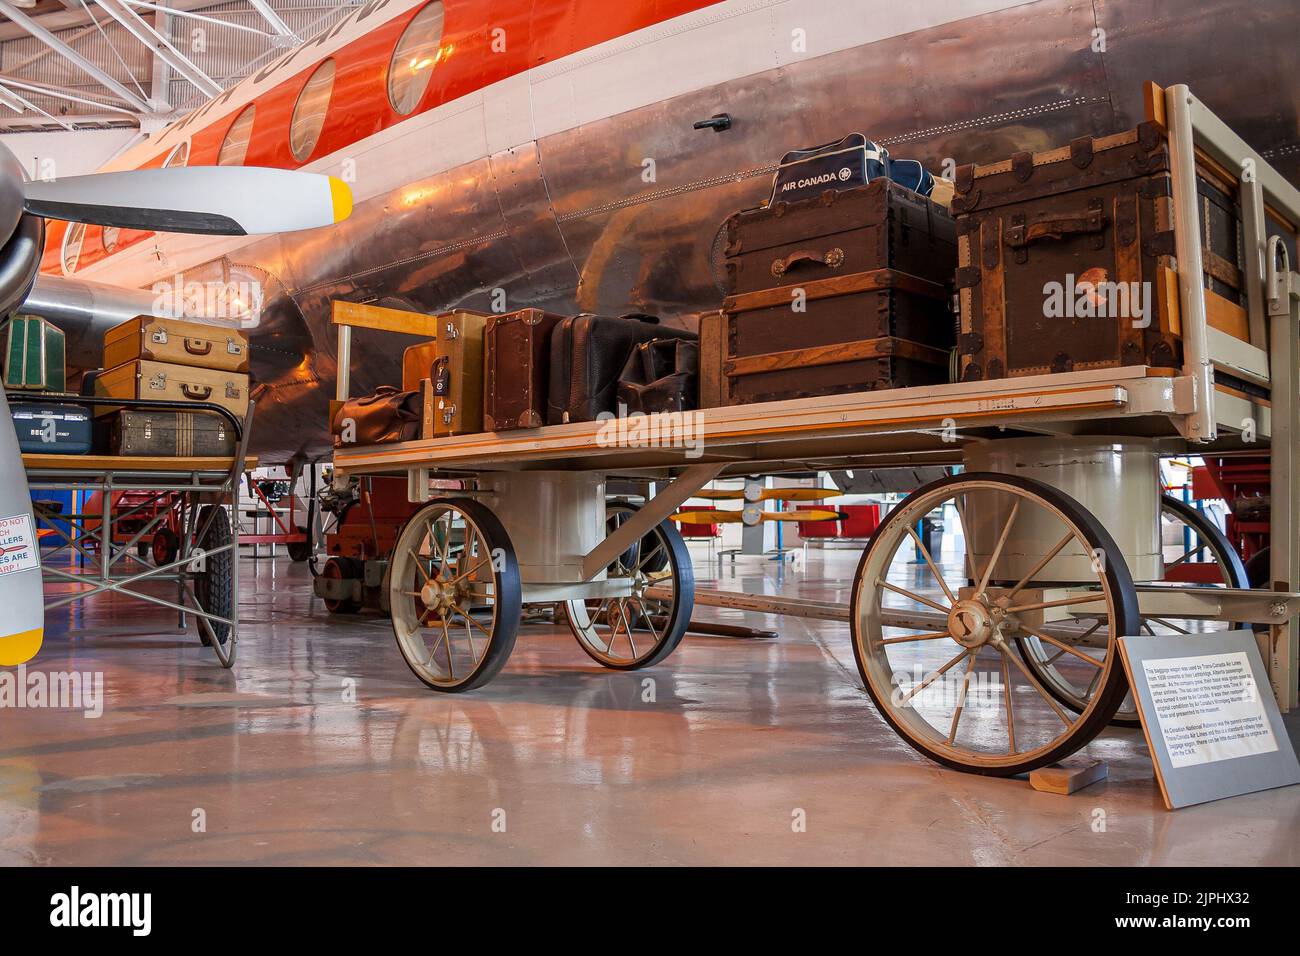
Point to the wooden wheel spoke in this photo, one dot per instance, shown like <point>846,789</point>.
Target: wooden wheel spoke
<point>645,558</point>
<point>997,549</point>
<point>961,698</point>
<point>919,599</point>
<point>1169,624</point>
<point>649,622</point>
<point>959,503</point>
<point>627,626</point>
<point>419,567</point>
<point>927,636</point>
<point>469,620</point>
<point>1037,686</point>
<point>1065,648</point>
<point>925,553</point>
<point>932,678</point>
<point>1056,549</point>
<point>1010,707</point>
<point>1093,598</point>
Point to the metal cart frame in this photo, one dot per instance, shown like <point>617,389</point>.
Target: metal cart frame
<point>1181,410</point>
<point>196,483</point>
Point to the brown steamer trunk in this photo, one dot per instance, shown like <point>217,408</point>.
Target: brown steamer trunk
<point>177,342</point>
<point>516,365</point>
<point>172,434</point>
<point>1065,258</point>
<point>878,226</point>
<point>848,338</point>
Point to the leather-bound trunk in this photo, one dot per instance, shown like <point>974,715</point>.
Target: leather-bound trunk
<point>453,365</point>
<point>878,226</point>
<point>516,369</point>
<point>1065,258</point>
<point>872,330</point>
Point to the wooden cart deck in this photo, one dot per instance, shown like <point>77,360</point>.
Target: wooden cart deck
<point>132,464</point>
<point>923,425</point>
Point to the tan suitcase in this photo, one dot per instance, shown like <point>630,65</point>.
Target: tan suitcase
<point>174,383</point>
<point>176,341</point>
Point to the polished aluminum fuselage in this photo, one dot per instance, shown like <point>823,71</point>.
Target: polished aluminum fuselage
<point>573,220</point>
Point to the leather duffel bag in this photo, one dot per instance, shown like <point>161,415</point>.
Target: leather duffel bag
<point>387,415</point>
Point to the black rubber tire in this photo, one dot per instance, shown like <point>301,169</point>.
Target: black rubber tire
<point>679,555</point>
<point>299,551</point>
<point>164,546</point>
<point>1257,569</point>
<point>1121,587</point>
<point>507,589</point>
<point>214,586</point>
<point>1216,541</point>
<point>345,568</point>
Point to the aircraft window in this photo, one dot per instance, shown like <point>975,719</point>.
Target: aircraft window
<point>110,237</point>
<point>72,246</point>
<point>309,111</point>
<point>414,58</point>
<point>235,146</point>
<point>178,156</point>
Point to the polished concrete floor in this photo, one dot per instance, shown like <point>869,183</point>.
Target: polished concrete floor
<point>321,748</point>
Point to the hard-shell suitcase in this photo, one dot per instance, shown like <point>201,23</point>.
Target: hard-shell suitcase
<point>712,333</point>
<point>872,330</point>
<point>175,383</point>
<point>453,362</point>
<point>176,341</point>
<point>587,354</point>
<point>35,355</point>
<point>171,434</point>
<point>516,369</point>
<point>878,226</point>
<point>1066,258</point>
<point>53,427</point>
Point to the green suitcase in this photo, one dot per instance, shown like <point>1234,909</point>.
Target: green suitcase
<point>35,355</point>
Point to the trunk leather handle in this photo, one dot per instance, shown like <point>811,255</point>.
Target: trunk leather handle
<point>198,346</point>
<point>833,258</point>
<point>1020,235</point>
<point>198,393</point>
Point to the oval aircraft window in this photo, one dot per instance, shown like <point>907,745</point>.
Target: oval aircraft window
<point>309,111</point>
<point>110,237</point>
<point>414,58</point>
<point>235,146</point>
<point>72,246</point>
<point>178,156</point>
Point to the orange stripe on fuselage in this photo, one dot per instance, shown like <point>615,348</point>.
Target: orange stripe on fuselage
<point>359,106</point>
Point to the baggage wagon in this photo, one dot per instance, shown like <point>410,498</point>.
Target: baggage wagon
<point>1058,505</point>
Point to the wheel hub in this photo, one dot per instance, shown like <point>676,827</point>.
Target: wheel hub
<point>972,623</point>
<point>439,595</point>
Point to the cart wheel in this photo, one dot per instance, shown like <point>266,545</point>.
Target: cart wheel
<point>1223,568</point>
<point>299,551</point>
<point>454,594</point>
<point>627,633</point>
<point>214,584</point>
<point>165,546</point>
<point>343,569</point>
<point>911,626</point>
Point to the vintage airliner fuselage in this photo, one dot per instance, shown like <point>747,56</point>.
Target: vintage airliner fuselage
<point>543,152</point>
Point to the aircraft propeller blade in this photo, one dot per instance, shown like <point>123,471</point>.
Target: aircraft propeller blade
<point>205,200</point>
<point>22,625</point>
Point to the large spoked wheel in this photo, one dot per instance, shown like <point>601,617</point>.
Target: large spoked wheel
<point>934,634</point>
<point>1203,557</point>
<point>455,595</point>
<point>644,627</point>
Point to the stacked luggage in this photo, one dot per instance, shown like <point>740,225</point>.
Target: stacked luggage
<point>46,418</point>
<point>172,360</point>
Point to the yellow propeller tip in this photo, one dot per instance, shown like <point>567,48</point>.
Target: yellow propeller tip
<point>21,647</point>
<point>341,197</point>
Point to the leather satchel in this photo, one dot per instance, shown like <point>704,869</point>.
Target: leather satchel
<point>661,376</point>
<point>387,415</point>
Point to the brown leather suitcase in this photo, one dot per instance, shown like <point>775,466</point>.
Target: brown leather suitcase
<point>516,369</point>
<point>847,338</point>
<point>877,226</point>
<point>176,341</point>
<point>453,362</point>
<point>171,434</point>
<point>1065,258</point>
<point>173,383</point>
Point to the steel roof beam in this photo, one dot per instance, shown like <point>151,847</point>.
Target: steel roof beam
<point>273,18</point>
<point>58,46</point>
<point>158,44</point>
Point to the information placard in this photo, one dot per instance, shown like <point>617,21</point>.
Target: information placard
<point>1209,715</point>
